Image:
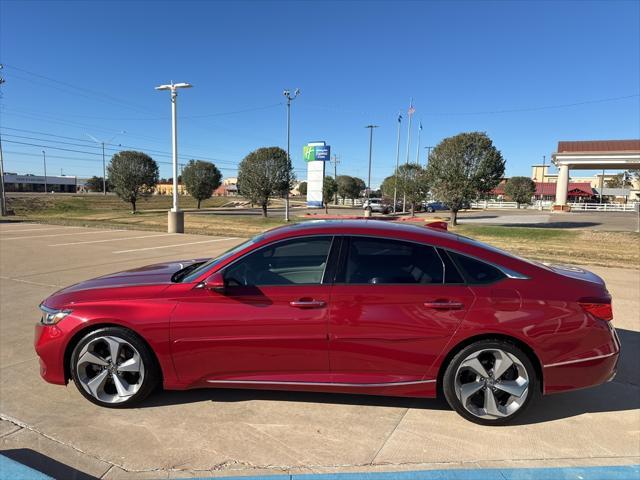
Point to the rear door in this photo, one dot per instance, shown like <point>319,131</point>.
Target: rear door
<point>391,311</point>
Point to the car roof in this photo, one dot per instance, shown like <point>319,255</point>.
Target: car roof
<point>357,226</point>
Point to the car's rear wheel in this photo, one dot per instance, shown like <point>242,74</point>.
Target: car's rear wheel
<point>490,382</point>
<point>113,367</point>
<point>430,209</point>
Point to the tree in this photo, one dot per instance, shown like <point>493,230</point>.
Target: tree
<point>358,187</point>
<point>265,173</point>
<point>132,175</point>
<point>412,183</point>
<point>346,186</point>
<point>463,167</point>
<point>302,188</point>
<point>201,179</point>
<point>520,189</point>
<point>387,186</point>
<point>95,184</point>
<point>329,189</point>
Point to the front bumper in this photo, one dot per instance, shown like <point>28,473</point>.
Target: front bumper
<point>49,343</point>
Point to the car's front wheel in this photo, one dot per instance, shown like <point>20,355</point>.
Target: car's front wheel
<point>490,382</point>
<point>113,367</point>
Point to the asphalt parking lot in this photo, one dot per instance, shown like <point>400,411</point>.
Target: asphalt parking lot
<point>226,432</point>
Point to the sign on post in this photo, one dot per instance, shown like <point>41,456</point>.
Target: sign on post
<point>315,154</point>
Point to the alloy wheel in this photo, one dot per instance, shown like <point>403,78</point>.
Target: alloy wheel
<point>491,384</point>
<point>110,369</point>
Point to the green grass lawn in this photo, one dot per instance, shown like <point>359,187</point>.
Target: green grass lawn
<point>575,246</point>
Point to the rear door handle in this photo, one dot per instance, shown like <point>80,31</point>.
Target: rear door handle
<point>307,303</point>
<point>444,305</point>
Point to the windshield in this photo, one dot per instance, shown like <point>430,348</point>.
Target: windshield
<point>215,261</point>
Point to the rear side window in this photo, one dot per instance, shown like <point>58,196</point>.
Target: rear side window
<point>476,271</point>
<point>383,261</point>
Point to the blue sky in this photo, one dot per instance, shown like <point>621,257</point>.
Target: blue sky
<point>77,68</point>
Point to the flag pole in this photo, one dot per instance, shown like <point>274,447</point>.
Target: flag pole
<point>418,148</point>
<point>410,112</point>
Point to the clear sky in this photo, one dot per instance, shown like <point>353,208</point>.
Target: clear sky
<point>507,68</point>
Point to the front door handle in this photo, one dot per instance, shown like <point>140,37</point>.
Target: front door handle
<point>444,305</point>
<point>307,303</point>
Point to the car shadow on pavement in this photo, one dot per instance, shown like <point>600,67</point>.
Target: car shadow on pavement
<point>623,393</point>
<point>44,464</point>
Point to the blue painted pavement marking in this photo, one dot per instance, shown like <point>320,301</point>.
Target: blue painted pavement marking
<point>10,469</point>
<point>625,472</point>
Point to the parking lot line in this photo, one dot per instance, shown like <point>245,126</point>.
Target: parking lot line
<point>22,237</point>
<point>112,239</point>
<point>35,229</point>
<point>175,245</point>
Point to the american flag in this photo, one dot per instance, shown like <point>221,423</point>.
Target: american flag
<point>411,110</point>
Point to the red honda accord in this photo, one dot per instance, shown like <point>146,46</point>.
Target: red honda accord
<point>339,306</point>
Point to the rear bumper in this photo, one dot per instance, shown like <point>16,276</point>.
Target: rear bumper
<point>591,370</point>
<point>49,343</point>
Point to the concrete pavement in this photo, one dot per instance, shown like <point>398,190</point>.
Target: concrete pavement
<point>223,432</point>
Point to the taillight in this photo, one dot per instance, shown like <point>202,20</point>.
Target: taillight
<point>598,307</point>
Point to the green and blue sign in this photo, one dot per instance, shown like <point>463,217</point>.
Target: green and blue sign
<point>312,153</point>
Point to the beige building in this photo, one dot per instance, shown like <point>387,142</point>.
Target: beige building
<point>167,189</point>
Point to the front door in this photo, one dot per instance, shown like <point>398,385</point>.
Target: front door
<point>268,325</point>
<point>391,311</point>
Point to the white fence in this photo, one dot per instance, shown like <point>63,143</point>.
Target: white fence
<point>604,207</point>
<point>546,205</point>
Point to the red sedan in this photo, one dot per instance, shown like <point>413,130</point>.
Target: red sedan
<point>340,306</point>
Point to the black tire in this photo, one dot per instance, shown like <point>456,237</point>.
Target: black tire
<point>430,210</point>
<point>150,378</point>
<point>449,380</point>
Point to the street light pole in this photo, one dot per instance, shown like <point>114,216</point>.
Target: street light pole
<point>428,149</point>
<point>289,97</point>
<point>44,161</point>
<point>395,176</point>
<point>175,215</point>
<point>370,127</point>
<point>104,165</point>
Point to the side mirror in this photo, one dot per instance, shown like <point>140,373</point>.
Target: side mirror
<point>215,282</point>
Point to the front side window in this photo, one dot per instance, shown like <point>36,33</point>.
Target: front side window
<point>299,261</point>
<point>384,261</point>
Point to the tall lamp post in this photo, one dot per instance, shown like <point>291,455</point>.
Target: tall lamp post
<point>370,127</point>
<point>104,166</point>
<point>175,215</point>
<point>410,112</point>
<point>44,161</point>
<point>289,97</point>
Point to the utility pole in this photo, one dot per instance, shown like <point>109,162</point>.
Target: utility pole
<point>175,215</point>
<point>411,111</point>
<point>289,97</point>
<point>370,127</point>
<point>395,176</point>
<point>104,165</point>
<point>418,147</point>
<point>428,149</point>
<point>3,198</point>
<point>601,185</point>
<point>44,161</point>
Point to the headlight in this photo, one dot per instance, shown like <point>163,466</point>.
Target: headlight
<point>51,316</point>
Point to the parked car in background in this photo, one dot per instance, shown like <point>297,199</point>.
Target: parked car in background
<point>351,306</point>
<point>377,205</point>
<point>434,206</point>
